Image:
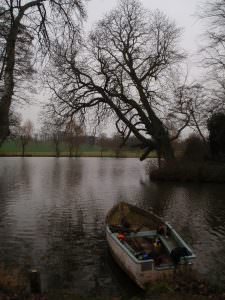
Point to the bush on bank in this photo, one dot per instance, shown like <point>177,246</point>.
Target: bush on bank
<point>194,164</point>
<point>183,171</point>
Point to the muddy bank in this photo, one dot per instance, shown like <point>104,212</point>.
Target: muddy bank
<point>14,285</point>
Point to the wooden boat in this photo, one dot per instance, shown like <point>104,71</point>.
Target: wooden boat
<point>144,246</point>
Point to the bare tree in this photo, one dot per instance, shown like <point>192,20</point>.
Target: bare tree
<point>103,143</point>
<point>39,19</point>
<point>192,107</point>
<point>122,68</point>
<point>213,14</point>
<point>24,133</point>
<point>73,137</point>
<point>53,130</point>
<point>116,144</point>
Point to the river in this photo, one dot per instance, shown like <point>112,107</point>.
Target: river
<point>52,214</point>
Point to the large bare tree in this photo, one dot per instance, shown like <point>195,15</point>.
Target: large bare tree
<point>121,68</point>
<point>39,19</point>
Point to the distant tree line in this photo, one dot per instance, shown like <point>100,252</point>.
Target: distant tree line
<point>69,135</point>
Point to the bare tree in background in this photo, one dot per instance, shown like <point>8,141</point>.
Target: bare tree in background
<point>103,143</point>
<point>213,14</point>
<point>38,19</point>
<point>192,103</point>
<point>123,68</point>
<point>24,133</point>
<point>53,130</point>
<point>73,137</point>
<point>116,144</point>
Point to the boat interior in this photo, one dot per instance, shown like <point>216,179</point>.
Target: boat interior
<point>140,236</point>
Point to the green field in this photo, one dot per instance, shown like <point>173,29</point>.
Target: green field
<point>14,148</point>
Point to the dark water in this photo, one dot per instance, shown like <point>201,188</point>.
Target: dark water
<point>52,218</point>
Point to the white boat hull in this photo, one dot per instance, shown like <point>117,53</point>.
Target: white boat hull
<point>145,270</point>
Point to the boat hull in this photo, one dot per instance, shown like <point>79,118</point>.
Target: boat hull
<point>142,271</point>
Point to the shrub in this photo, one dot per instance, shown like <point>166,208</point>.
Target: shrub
<point>195,149</point>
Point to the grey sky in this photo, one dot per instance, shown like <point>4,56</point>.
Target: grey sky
<point>181,11</point>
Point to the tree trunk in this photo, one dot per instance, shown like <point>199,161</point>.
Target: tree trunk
<point>166,149</point>
<point>162,140</point>
<point>57,152</point>
<point>159,158</point>
<point>4,119</point>
<point>23,150</point>
<point>7,91</point>
<point>76,151</point>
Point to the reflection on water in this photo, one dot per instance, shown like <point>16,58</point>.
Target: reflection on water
<point>52,218</point>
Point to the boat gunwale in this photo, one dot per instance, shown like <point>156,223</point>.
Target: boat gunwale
<point>140,262</point>
<point>181,240</point>
<point>135,208</point>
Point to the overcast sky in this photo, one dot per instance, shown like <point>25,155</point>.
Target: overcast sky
<point>183,12</point>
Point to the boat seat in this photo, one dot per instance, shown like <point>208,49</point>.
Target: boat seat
<point>149,233</point>
<point>168,243</point>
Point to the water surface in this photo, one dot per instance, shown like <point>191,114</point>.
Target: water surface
<point>52,214</point>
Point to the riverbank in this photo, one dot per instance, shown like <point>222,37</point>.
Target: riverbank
<point>124,154</point>
<point>16,284</point>
<point>188,171</point>
<point>70,296</point>
<point>182,288</point>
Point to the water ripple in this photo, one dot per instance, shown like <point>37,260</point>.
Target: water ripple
<point>52,217</point>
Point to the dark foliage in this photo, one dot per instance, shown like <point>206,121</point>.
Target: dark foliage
<point>195,149</point>
<point>216,127</point>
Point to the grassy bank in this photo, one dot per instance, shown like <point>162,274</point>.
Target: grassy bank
<point>46,149</point>
<point>125,154</point>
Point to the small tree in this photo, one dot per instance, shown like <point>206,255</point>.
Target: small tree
<point>73,137</point>
<point>25,134</point>
<point>53,131</point>
<point>216,127</point>
<point>116,144</point>
<point>57,139</point>
<point>103,142</point>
